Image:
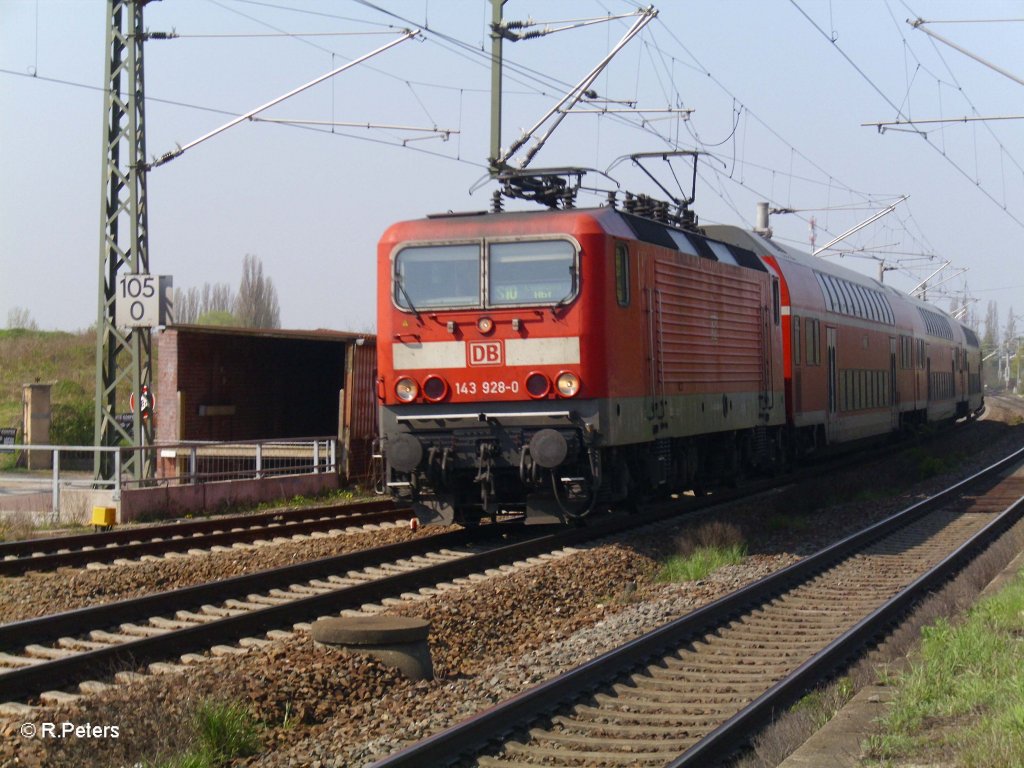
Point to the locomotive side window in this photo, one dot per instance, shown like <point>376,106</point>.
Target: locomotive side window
<point>437,276</point>
<point>622,274</point>
<point>531,272</point>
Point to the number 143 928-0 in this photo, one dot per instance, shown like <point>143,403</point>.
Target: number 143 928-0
<point>487,387</point>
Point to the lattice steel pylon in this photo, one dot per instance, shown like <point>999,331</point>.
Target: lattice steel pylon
<point>122,356</point>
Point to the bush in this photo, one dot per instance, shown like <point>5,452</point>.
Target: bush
<point>703,550</point>
<point>72,424</point>
<point>224,732</point>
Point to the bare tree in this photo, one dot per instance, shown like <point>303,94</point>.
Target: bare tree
<point>256,304</point>
<point>991,339</point>
<point>186,305</point>
<point>19,317</point>
<point>217,297</point>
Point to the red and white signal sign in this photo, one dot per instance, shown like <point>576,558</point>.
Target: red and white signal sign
<point>146,402</point>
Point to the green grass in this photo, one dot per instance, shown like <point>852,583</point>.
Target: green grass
<point>700,563</point>
<point>962,700</point>
<point>224,732</point>
<point>69,360</point>
<point>821,705</point>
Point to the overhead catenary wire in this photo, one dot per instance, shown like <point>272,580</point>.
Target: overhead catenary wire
<point>899,112</point>
<point>166,158</point>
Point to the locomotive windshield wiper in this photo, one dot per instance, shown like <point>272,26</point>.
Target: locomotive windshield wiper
<point>405,294</point>
<point>572,290</point>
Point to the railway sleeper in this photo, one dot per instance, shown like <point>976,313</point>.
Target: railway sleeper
<point>681,679</point>
<point>59,697</point>
<point>111,638</point>
<point>590,728</point>
<point>10,660</point>
<point>219,610</point>
<point>716,657</point>
<point>45,652</point>
<point>78,644</point>
<point>711,703</point>
<point>589,740</point>
<point>735,667</point>
<point>592,757</point>
<point>722,645</point>
<point>697,685</point>
<point>592,714</point>
<point>93,687</point>
<point>174,624</point>
<point>142,631</point>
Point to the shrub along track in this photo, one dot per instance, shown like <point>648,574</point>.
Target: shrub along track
<point>709,678</point>
<point>17,557</point>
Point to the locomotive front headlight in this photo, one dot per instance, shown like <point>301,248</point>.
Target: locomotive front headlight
<point>435,388</point>
<point>406,389</point>
<point>485,325</point>
<point>568,384</point>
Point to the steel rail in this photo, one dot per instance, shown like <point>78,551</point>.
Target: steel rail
<point>724,740</point>
<point>189,527</point>
<point>452,743</point>
<point>47,628</point>
<point>17,557</point>
<point>23,682</point>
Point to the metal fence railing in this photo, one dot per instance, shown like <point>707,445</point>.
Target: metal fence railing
<point>55,483</point>
<point>203,462</point>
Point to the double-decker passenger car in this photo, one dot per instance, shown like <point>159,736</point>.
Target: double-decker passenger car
<point>862,358</point>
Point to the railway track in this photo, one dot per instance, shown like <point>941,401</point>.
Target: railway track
<point>66,650</point>
<point>692,691</point>
<point>18,557</point>
<point>154,541</point>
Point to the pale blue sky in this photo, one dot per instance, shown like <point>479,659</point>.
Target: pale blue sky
<point>775,101</point>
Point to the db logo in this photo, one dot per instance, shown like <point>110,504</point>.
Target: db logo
<point>485,353</point>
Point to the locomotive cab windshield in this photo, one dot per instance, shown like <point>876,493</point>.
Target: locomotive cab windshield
<point>514,273</point>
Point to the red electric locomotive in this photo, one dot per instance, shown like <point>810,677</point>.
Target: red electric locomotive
<point>555,360</point>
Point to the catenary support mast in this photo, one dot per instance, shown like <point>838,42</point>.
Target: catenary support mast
<point>494,161</point>
<point>122,356</point>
